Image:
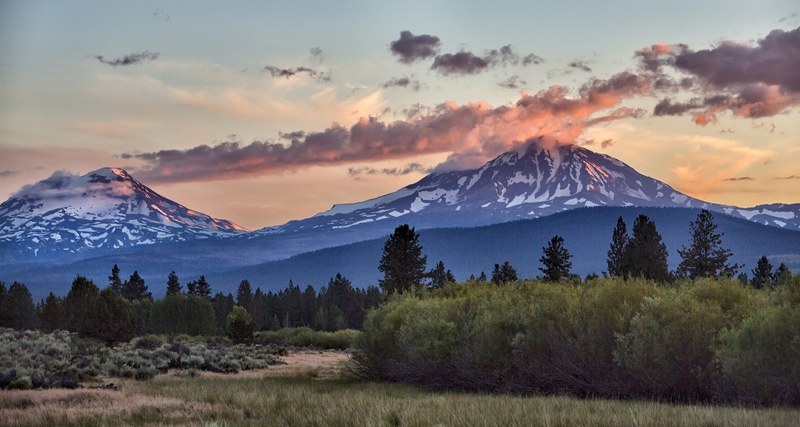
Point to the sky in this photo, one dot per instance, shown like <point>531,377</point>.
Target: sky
<point>262,112</point>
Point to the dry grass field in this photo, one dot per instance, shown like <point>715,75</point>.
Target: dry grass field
<point>312,389</point>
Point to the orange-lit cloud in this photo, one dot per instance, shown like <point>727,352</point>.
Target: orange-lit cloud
<point>473,133</point>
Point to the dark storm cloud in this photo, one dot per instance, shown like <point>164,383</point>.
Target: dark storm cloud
<point>411,48</point>
<point>404,82</point>
<point>357,172</point>
<point>131,59</point>
<point>465,63</point>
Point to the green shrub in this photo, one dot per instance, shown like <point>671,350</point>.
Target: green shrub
<point>21,383</point>
<point>306,337</point>
<point>148,342</point>
<point>761,358</point>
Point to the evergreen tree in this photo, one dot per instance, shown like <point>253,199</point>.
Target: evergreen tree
<point>482,277</point>
<point>78,306</point>
<point>504,273</point>
<point>782,277</point>
<point>438,276</point>
<point>113,318</point>
<point>646,252</point>
<point>222,304</point>
<point>135,288</point>
<point>240,325</point>
<point>199,287</point>
<point>616,253</point>
<point>705,256</point>
<point>402,262</point>
<point>244,295</point>
<point>7,308</point>
<point>24,312</point>
<point>114,281</point>
<point>762,274</point>
<point>309,305</point>
<point>173,284</point>
<point>555,260</point>
<point>52,314</point>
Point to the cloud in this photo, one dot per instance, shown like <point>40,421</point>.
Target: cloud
<point>789,177</point>
<point>472,133</point>
<point>288,73</point>
<point>747,80</point>
<point>411,48</point>
<point>513,82</point>
<point>357,172</point>
<point>316,54</point>
<point>131,59</point>
<point>8,172</point>
<point>464,62</point>
<point>580,65</point>
<point>740,178</point>
<point>404,82</point>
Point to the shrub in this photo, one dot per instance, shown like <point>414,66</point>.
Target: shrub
<point>760,359</point>
<point>148,342</point>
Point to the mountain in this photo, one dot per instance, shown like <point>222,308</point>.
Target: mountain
<point>103,210</point>
<point>521,185</point>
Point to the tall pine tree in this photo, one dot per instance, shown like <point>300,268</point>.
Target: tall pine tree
<point>555,260</point>
<point>114,281</point>
<point>173,284</point>
<point>646,252</point>
<point>762,274</point>
<point>244,295</point>
<point>439,275</point>
<point>135,289</point>
<point>402,262</point>
<point>705,256</point>
<point>616,253</point>
<point>503,273</point>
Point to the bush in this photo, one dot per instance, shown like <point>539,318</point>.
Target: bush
<point>306,337</point>
<point>148,342</point>
<point>760,359</point>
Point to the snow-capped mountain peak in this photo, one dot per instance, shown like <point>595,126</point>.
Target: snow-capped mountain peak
<point>105,208</point>
<point>533,182</point>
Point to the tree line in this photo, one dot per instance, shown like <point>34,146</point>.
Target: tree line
<point>640,254</point>
<point>124,309</point>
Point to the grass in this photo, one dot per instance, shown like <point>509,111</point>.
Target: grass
<point>307,400</point>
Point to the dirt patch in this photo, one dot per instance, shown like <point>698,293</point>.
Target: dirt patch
<point>310,363</point>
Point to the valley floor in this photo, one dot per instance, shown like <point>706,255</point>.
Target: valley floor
<point>311,390</point>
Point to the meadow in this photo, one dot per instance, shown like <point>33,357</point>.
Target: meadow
<point>325,395</point>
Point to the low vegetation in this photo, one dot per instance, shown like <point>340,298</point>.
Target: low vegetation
<point>708,340</point>
<point>306,400</point>
<point>33,359</point>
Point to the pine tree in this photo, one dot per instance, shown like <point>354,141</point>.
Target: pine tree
<point>25,312</point>
<point>173,284</point>
<point>646,252</point>
<point>240,325</point>
<point>705,256</point>
<point>616,253</point>
<point>482,277</point>
<point>402,262</point>
<point>782,277</point>
<point>555,260</point>
<point>202,288</point>
<point>762,274</point>
<point>438,276</point>
<point>504,273</point>
<point>244,295</point>
<point>114,281</point>
<point>135,289</point>
<point>52,314</point>
<point>78,306</point>
<point>7,308</point>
